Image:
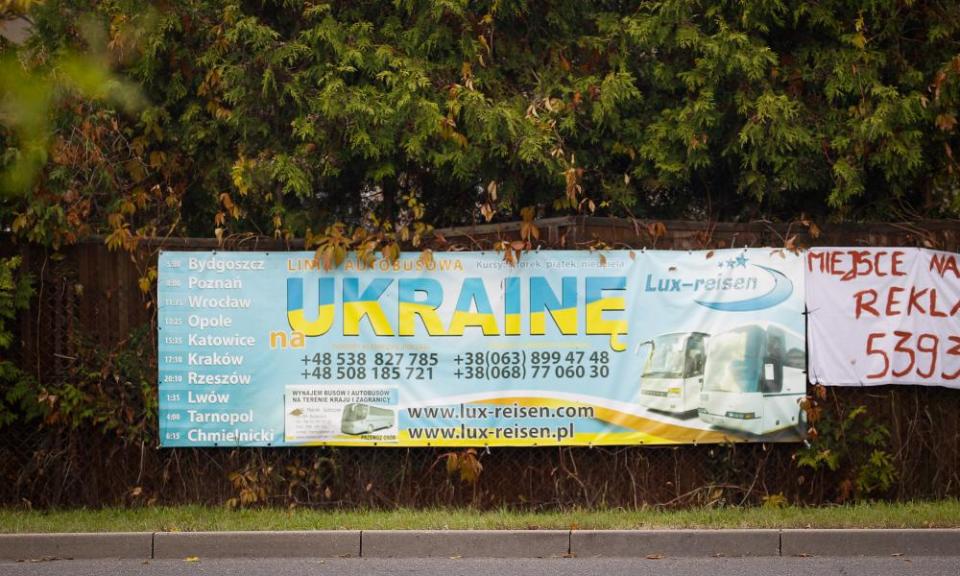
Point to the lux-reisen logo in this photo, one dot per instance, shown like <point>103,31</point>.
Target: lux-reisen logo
<point>733,289</point>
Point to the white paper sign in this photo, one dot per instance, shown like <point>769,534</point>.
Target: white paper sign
<point>883,316</point>
<point>330,412</point>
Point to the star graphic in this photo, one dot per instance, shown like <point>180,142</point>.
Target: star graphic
<point>742,261</point>
<point>731,263</point>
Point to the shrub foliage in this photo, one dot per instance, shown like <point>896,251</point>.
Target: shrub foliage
<point>280,117</point>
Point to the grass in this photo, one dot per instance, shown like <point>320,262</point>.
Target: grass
<point>942,514</point>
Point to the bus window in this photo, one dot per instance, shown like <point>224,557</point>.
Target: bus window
<point>772,379</point>
<point>666,357</point>
<point>796,359</point>
<point>733,361</point>
<point>355,412</point>
<point>696,357</point>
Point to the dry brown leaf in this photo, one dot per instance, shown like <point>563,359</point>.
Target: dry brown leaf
<point>487,212</point>
<point>426,257</point>
<point>657,229</point>
<point>453,463</point>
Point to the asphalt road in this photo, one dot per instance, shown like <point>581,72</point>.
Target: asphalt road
<point>893,566</point>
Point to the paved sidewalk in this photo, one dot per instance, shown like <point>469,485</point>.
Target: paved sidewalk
<point>772,565</point>
<point>483,544</point>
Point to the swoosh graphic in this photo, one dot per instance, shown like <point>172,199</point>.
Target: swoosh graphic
<point>782,289</point>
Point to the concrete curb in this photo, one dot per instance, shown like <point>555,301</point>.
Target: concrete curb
<point>306,544</point>
<point>482,543</point>
<point>465,543</point>
<point>76,546</point>
<point>909,542</point>
<point>675,543</point>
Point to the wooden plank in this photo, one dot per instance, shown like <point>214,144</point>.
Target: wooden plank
<point>123,299</point>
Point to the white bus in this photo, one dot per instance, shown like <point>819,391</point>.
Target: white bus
<point>673,373</point>
<point>364,419</point>
<point>754,379</point>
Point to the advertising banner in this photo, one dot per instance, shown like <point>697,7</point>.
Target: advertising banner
<point>465,349</point>
<point>883,316</point>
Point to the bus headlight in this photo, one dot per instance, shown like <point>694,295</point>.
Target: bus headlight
<point>741,415</point>
<point>674,391</point>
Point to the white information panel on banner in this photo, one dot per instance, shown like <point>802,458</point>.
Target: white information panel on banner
<point>883,316</point>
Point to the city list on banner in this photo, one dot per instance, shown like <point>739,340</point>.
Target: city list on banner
<point>465,349</point>
<point>883,316</point>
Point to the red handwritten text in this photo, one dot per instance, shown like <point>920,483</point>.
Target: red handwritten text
<point>851,264</point>
<point>916,354</point>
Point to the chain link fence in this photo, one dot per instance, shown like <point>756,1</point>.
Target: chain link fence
<point>89,468</point>
<point>89,343</point>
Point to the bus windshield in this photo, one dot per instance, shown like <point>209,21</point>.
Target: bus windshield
<point>666,358</point>
<point>355,412</point>
<point>733,361</point>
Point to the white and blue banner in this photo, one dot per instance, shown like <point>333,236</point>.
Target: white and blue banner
<point>465,349</point>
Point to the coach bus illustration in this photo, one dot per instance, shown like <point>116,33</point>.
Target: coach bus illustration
<point>673,373</point>
<point>753,379</point>
<point>365,419</point>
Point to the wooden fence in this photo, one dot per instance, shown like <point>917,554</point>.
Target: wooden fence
<point>88,292</point>
<point>88,297</point>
